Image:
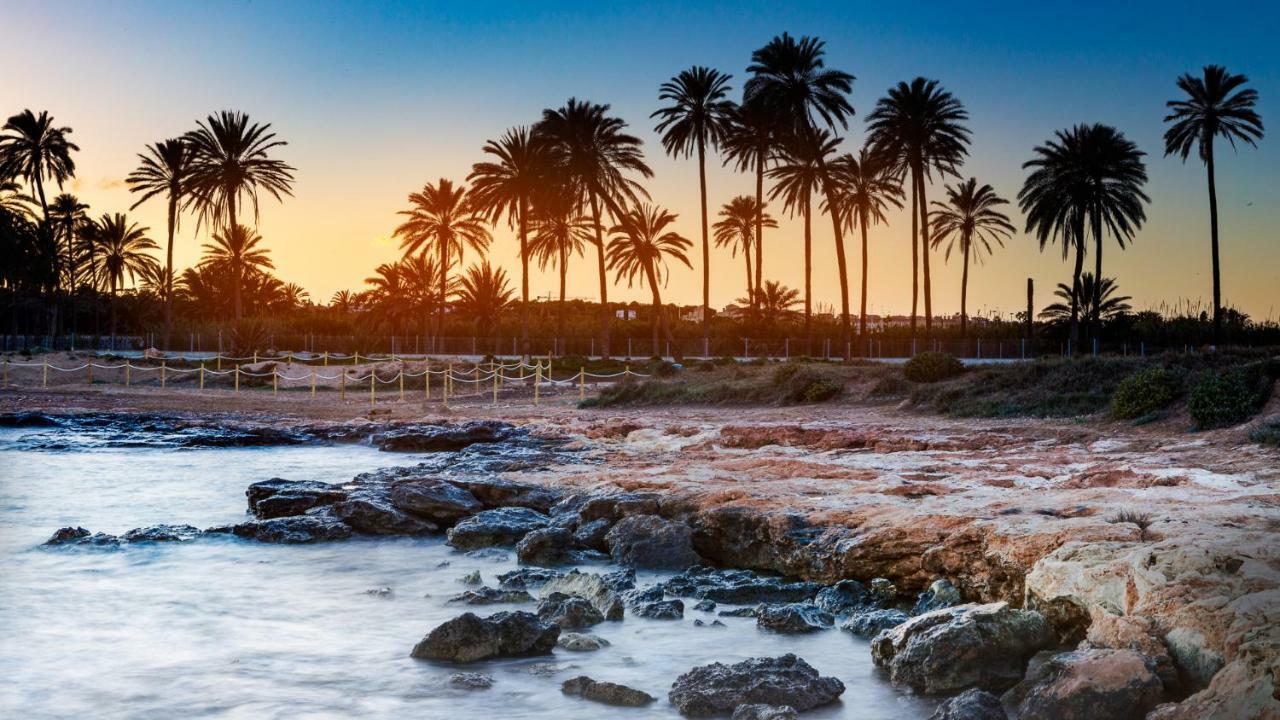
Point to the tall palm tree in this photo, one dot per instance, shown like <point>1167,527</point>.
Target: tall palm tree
<point>506,187</point>
<point>442,219</point>
<point>749,144</point>
<point>165,169</point>
<point>790,79</point>
<point>740,218</point>
<point>67,214</point>
<point>419,289</point>
<point>483,294</point>
<point>560,232</point>
<point>238,253</point>
<point>1216,104</point>
<point>796,178</point>
<point>920,126</point>
<point>1116,175</point>
<point>640,248</point>
<point>594,155</point>
<point>12,200</point>
<point>699,116</point>
<point>32,148</point>
<point>122,249</point>
<point>969,222</point>
<point>867,186</point>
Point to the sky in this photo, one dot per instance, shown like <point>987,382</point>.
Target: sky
<point>376,99</point>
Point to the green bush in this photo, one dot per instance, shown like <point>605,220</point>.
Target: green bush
<point>806,385</point>
<point>658,367</point>
<point>1145,392</point>
<point>928,367</point>
<point>1267,432</point>
<point>1224,398</point>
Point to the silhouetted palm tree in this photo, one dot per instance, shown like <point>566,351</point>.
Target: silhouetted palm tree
<point>32,148</point>
<point>749,144</point>
<point>919,126</point>
<point>345,301</point>
<point>238,253</point>
<point>867,186</point>
<point>740,217</point>
<point>969,223</point>
<point>593,155</point>
<point>294,296</point>
<point>560,232</point>
<point>506,187</point>
<point>1216,104</point>
<point>698,117</point>
<point>165,169</point>
<point>441,219</point>
<point>122,248</point>
<point>790,79</point>
<point>1107,307</point>
<point>640,249</point>
<point>13,200</point>
<point>483,293</point>
<point>774,302</point>
<point>67,214</point>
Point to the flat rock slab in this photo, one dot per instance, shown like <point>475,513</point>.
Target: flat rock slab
<point>606,692</point>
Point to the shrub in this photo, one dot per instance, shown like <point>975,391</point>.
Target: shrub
<point>1132,517</point>
<point>932,366</point>
<point>1223,398</point>
<point>658,367</point>
<point>806,385</point>
<point>1267,432</point>
<point>1145,392</point>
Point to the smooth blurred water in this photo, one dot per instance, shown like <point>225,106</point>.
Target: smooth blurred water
<point>226,628</point>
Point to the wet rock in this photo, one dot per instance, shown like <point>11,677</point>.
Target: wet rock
<point>471,578</point>
<point>592,588</point>
<point>615,506</point>
<point>468,638</point>
<point>954,649</point>
<point>793,618</point>
<point>503,526</point>
<point>298,529</point>
<point>527,578</point>
<point>491,596</point>
<point>568,612</point>
<point>546,546</point>
<point>971,705</point>
<point>26,420</point>
<point>941,594</point>
<point>719,689</point>
<point>380,592</point>
<point>435,500</point>
<point>649,541</point>
<point>440,438</point>
<point>872,622</point>
<point>547,669</point>
<point>764,712</point>
<point>592,534</point>
<point>884,592</point>
<point>278,497</point>
<point>713,623</point>
<point>844,597</point>
<point>704,605</point>
<point>494,493</point>
<point>739,587</point>
<point>375,515</point>
<point>162,533</point>
<point>651,594</point>
<point>605,692</point>
<point>581,642</point>
<point>620,580</point>
<point>471,681</point>
<point>738,612</point>
<point>660,610</point>
<point>80,536</point>
<point>1088,684</point>
<point>491,554</point>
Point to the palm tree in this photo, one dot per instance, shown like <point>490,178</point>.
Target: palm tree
<point>1098,300</point>
<point>345,301</point>
<point>236,252</point>
<point>919,127</point>
<point>294,296</point>
<point>593,155</point>
<point>741,217</point>
<point>791,80</point>
<point>774,301</point>
<point>441,219</point>
<point>32,148</point>
<point>640,249</point>
<point>969,223</point>
<point>122,251</point>
<point>67,215</point>
<point>506,187</point>
<point>1216,105</point>
<point>418,274</point>
<point>165,169</point>
<point>699,116</point>
<point>749,143</point>
<point>13,201</point>
<point>483,294</point>
<point>797,177</point>
<point>867,187</point>
<point>560,232</point>
<point>387,295</point>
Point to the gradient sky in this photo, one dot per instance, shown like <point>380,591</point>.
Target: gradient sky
<point>377,98</point>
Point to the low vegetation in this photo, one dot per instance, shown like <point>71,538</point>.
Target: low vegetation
<point>930,367</point>
<point>1146,392</point>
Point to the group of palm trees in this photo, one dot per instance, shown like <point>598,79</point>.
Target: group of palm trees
<point>574,179</point>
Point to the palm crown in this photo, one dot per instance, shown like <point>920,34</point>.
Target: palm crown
<point>32,147</point>
<point>232,159</point>
<point>969,220</point>
<point>699,112</point>
<point>1217,105</point>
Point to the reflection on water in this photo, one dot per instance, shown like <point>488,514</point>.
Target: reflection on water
<point>226,628</point>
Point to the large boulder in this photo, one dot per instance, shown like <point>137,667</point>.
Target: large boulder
<point>581,642</point>
<point>941,594</point>
<point>652,542</point>
<point>374,514</point>
<point>468,638</point>
<point>971,704</point>
<point>592,534</point>
<point>659,610</point>
<point>606,692</point>
<point>298,529</point>
<point>739,586</point>
<point>527,578</point>
<point>440,438</point>
<point>81,536</point>
<point>718,689</point>
<point>546,546</point>
<point>568,612</point>
<point>494,493</point>
<point>954,649</point>
<point>278,497</point>
<point>614,506</point>
<point>501,526</point>
<point>491,596</point>
<point>592,588</point>
<point>162,533</point>
<point>793,618</point>
<point>872,622</point>
<point>435,500</point>
<point>845,597</point>
<point>1088,684</point>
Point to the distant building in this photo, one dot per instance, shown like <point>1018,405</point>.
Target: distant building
<point>625,314</point>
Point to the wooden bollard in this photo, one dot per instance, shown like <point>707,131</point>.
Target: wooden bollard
<point>495,388</point>
<point>89,368</point>
<point>537,381</point>
<point>326,358</point>
<point>219,362</point>
<point>342,386</point>
<point>275,381</point>
<point>163,374</point>
<point>237,376</point>
<point>313,382</point>
<point>373,387</point>
<point>582,383</point>
<point>44,378</point>
<point>426,381</point>
<point>6,373</point>
<point>255,357</point>
<point>202,376</point>
<point>127,368</point>
<point>402,383</point>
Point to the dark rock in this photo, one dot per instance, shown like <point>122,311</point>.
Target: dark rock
<point>568,612</point>
<point>704,605</point>
<point>581,642</point>
<point>293,530</point>
<point>884,592</point>
<point>870,623</point>
<point>957,648</point>
<point>468,638</point>
<point>649,541</point>
<point>546,546</point>
<point>739,587</point>
<point>764,712</point>
<point>661,610</point>
<point>162,533</point>
<point>844,597</point>
<point>971,705</point>
<point>793,618</point>
<point>503,526</point>
<point>620,580</point>
<point>435,500</point>
<point>490,596</point>
<point>471,681</point>
<point>80,536</point>
<point>590,587</point>
<point>718,689</point>
<point>440,438</point>
<point>26,420</point>
<point>592,534</point>
<point>738,612</point>
<point>494,493</point>
<point>615,506</point>
<point>1088,684</point>
<point>653,593</point>
<point>713,623</point>
<point>527,578</point>
<point>941,594</point>
<point>471,578</point>
<point>278,497</point>
<point>375,515</point>
<point>605,692</point>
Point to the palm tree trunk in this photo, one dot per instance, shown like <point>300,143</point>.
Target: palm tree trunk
<point>862,318</point>
<point>239,275</point>
<point>444,289</point>
<point>113,313</point>
<point>1075,287</point>
<point>1095,318</point>
<point>915,255</point>
<point>168,273</point>
<point>751,291</point>
<point>924,258</point>
<point>524,278</point>
<point>759,227</point>
<point>660,316</point>
<point>834,209</point>
<point>706,247</point>
<point>1213,242</point>
<point>964,289</point>
<point>604,279</point>
<point>44,205</point>
<point>564,272</point>
<point>808,276</point>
